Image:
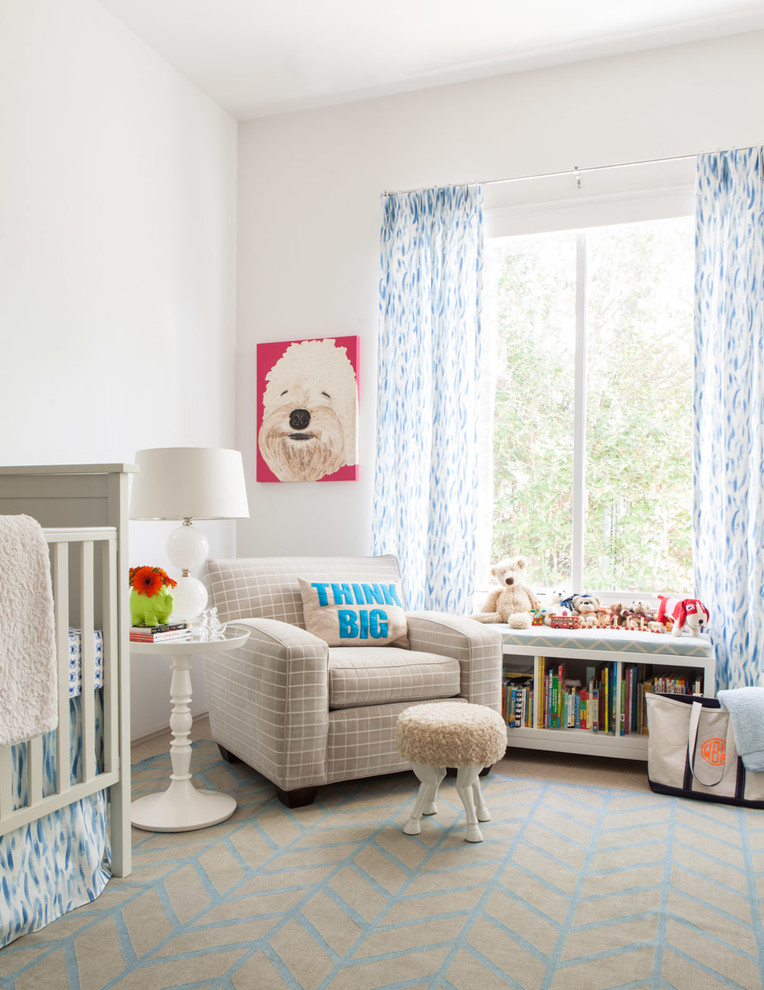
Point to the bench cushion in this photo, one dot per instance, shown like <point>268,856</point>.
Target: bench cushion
<point>384,674</point>
<point>606,640</point>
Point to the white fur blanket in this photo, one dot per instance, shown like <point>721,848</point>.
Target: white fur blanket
<point>28,672</point>
<point>746,708</point>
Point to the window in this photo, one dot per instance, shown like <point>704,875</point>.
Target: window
<point>591,360</point>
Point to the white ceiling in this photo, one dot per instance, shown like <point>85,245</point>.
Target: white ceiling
<point>259,57</point>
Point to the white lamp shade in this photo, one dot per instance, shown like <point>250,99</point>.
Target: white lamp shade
<point>189,483</point>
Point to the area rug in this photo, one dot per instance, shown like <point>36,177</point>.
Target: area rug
<point>575,886</point>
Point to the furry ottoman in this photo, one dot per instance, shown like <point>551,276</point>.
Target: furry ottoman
<point>450,734</point>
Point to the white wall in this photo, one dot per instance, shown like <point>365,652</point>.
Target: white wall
<point>117,263</point>
<point>310,212</point>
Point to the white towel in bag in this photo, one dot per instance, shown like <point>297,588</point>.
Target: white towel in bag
<point>28,672</point>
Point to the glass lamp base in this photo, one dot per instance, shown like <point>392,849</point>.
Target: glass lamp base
<point>189,598</point>
<point>187,546</point>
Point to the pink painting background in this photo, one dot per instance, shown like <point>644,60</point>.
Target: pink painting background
<point>267,355</point>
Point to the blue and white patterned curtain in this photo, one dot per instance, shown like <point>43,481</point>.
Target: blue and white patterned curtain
<point>729,410</point>
<point>429,356</point>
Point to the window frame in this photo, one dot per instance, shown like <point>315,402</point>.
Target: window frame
<point>577,202</point>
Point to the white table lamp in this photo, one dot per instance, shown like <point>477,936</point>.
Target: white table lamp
<point>188,483</point>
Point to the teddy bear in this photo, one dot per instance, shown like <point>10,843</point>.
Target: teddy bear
<point>638,615</point>
<point>617,615</point>
<point>584,604</point>
<point>585,607</point>
<point>513,601</point>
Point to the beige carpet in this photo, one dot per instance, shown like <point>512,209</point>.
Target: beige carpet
<point>585,880</point>
<point>561,767</point>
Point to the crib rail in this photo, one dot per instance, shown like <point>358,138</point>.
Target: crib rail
<point>84,570</point>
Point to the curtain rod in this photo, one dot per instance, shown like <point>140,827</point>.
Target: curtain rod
<point>575,171</point>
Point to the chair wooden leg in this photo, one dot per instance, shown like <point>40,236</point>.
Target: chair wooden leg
<point>298,798</point>
<point>228,756</point>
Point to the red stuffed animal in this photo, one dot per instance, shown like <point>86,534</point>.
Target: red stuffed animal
<point>688,613</point>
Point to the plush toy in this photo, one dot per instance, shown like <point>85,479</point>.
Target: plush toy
<point>554,607</point>
<point>688,613</point>
<point>638,615</point>
<point>512,601</point>
<point>643,610</point>
<point>617,615</point>
<point>585,604</point>
<point>584,607</point>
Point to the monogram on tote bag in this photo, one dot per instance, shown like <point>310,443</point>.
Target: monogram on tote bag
<point>691,752</point>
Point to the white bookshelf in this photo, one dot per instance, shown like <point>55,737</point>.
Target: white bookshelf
<point>657,653</point>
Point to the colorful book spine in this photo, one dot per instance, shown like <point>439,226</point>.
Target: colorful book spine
<point>540,664</point>
<point>555,702</point>
<point>622,711</point>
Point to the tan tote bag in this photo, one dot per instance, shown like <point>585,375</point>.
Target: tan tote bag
<point>691,752</point>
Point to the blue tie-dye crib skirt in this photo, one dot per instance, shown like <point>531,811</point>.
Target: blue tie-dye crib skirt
<point>60,861</point>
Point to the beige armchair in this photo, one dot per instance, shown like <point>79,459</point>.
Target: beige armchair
<point>305,714</point>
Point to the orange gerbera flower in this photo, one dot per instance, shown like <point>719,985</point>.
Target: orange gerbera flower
<point>149,581</point>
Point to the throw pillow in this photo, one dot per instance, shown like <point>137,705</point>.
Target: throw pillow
<point>354,613</point>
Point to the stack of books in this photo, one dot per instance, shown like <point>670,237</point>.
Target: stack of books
<point>159,634</point>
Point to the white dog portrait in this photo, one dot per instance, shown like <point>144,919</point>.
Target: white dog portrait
<point>309,423</point>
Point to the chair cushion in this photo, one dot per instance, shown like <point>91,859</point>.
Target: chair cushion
<point>354,612</point>
<point>385,674</point>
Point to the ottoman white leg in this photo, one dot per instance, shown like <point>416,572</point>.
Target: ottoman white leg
<point>425,804</point>
<point>468,786</point>
<point>483,814</point>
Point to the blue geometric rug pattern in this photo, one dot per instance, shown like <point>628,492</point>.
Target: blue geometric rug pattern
<point>575,886</point>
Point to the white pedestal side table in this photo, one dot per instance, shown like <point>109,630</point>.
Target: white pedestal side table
<point>183,807</point>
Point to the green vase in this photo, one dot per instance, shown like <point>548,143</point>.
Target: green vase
<point>153,611</point>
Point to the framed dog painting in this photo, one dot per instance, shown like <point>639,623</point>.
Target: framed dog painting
<point>307,410</point>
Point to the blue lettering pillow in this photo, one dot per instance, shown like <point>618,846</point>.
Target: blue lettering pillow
<point>354,613</point>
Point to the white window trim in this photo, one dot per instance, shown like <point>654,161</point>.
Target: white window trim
<point>624,194</point>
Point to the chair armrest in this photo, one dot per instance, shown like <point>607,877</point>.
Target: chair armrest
<point>289,636</point>
<point>478,648</point>
<point>269,701</point>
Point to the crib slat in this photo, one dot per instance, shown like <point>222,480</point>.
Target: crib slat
<point>87,625</point>
<point>6,776</point>
<point>34,773</point>
<point>110,671</point>
<point>59,553</point>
